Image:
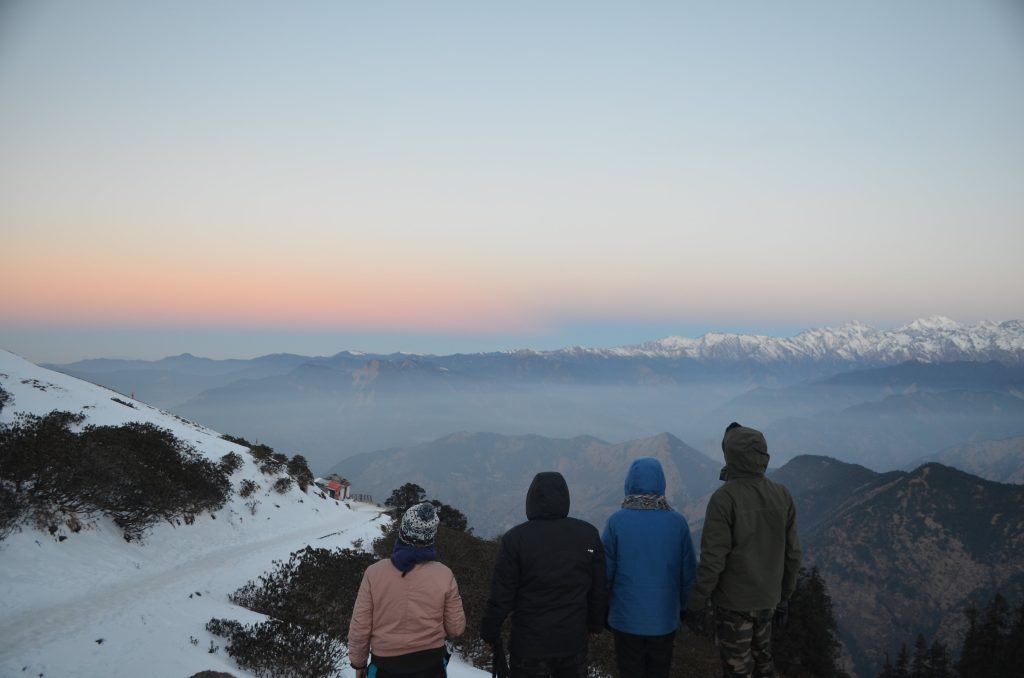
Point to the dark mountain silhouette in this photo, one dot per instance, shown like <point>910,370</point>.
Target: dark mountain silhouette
<point>904,553</point>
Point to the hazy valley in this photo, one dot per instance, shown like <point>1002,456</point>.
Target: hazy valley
<point>882,398</point>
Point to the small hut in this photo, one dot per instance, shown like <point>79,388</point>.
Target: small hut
<point>334,486</point>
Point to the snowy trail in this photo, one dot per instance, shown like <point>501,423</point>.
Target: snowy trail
<point>43,625</point>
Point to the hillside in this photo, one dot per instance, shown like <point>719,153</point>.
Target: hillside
<point>88,603</point>
<point>820,485</point>
<point>486,475</point>
<point>998,460</point>
<point>905,553</point>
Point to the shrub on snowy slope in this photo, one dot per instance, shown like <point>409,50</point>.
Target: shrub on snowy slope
<point>5,398</point>
<point>310,599</point>
<point>231,462</point>
<point>136,474</point>
<point>316,589</point>
<point>277,649</point>
<point>273,463</point>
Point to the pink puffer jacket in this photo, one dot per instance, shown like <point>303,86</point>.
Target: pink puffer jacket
<point>396,615</point>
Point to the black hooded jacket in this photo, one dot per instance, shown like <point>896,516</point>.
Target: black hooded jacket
<point>550,575</point>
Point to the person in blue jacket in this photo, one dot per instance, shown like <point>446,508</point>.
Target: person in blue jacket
<point>651,568</point>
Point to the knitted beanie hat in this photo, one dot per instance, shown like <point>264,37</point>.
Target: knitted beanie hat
<point>419,525</point>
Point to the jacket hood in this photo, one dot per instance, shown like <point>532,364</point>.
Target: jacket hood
<point>645,477</point>
<point>548,496</point>
<point>746,452</point>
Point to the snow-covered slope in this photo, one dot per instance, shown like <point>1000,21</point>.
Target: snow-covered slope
<point>935,339</point>
<point>90,604</point>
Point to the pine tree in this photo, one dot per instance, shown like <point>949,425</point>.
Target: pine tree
<point>971,655</point>
<point>450,517</point>
<point>994,635</point>
<point>901,670</point>
<point>938,657</point>
<point>809,643</point>
<point>994,644</point>
<point>920,667</point>
<point>1014,655</point>
<point>405,496</point>
<point>886,668</point>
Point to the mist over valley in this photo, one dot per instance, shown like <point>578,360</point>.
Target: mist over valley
<point>882,398</point>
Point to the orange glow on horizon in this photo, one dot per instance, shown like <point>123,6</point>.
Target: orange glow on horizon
<point>102,288</point>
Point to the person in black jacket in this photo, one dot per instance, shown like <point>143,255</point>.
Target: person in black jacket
<point>550,575</point>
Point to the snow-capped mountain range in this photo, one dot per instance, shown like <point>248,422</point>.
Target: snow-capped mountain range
<point>934,339</point>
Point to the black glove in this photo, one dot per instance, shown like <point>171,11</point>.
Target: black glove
<point>781,616</point>
<point>697,620</point>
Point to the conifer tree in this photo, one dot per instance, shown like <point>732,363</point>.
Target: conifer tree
<point>887,671</point>
<point>971,655</point>
<point>1014,655</point>
<point>405,496</point>
<point>994,643</point>
<point>938,658</point>
<point>809,643</point>
<point>451,517</point>
<point>985,649</point>
<point>901,670</point>
<point>920,668</point>
<point>995,630</point>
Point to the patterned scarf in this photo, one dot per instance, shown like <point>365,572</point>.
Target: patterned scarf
<point>646,502</point>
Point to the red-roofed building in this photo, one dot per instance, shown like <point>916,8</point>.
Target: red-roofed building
<point>334,486</point>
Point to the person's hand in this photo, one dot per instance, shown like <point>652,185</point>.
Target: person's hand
<point>696,620</point>
<point>360,673</point>
<point>781,616</point>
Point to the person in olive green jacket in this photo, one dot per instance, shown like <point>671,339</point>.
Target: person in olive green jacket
<point>749,557</point>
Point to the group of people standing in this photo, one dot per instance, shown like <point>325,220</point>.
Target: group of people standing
<point>562,582</point>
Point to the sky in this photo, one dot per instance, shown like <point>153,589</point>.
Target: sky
<point>235,178</point>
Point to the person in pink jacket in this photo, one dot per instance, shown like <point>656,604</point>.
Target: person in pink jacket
<point>406,606</point>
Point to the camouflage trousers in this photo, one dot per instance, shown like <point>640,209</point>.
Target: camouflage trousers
<point>745,643</point>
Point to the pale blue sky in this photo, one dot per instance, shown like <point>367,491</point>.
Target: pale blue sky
<point>418,176</point>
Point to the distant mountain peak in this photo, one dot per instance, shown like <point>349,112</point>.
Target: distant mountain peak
<point>932,339</point>
<point>934,322</point>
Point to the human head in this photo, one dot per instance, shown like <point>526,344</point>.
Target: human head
<point>419,525</point>
<point>645,476</point>
<point>548,496</point>
<point>745,450</point>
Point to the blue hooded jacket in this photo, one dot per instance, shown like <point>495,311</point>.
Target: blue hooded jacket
<point>650,559</point>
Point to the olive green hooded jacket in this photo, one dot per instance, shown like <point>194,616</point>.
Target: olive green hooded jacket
<point>749,552</point>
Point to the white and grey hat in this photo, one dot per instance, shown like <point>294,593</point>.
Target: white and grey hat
<point>419,525</point>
